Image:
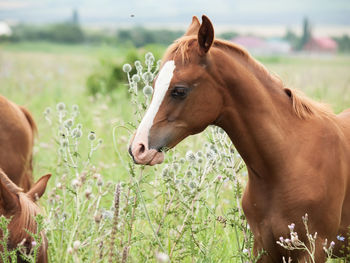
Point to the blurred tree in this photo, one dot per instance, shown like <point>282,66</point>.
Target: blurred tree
<point>343,43</point>
<point>292,38</point>
<point>228,35</point>
<point>140,36</point>
<point>306,33</point>
<point>75,17</point>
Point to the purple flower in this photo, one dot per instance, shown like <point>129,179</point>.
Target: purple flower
<point>340,238</point>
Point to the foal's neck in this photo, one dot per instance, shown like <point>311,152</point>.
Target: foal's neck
<point>257,113</point>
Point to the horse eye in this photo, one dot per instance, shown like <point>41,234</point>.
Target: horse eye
<point>179,92</point>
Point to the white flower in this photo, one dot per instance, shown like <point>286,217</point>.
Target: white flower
<point>147,90</point>
<point>127,68</point>
<point>162,257</point>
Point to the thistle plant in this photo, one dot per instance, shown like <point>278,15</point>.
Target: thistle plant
<point>187,190</point>
<point>294,243</point>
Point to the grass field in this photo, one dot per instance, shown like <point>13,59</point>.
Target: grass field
<point>181,209</point>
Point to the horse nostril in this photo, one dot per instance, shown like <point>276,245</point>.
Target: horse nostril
<point>142,148</point>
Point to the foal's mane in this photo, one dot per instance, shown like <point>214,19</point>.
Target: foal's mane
<point>27,213</point>
<point>303,107</point>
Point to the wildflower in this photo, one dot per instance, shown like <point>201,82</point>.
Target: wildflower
<point>59,185</point>
<point>291,227</point>
<point>137,63</point>
<point>281,239</point>
<point>75,107</point>
<point>69,250</point>
<point>182,160</point>
<point>162,257</point>
<point>127,68</point>
<point>165,171</point>
<point>149,56</point>
<point>190,156</point>
<point>210,155</point>
<point>76,245</point>
<point>176,166</point>
<point>79,126</point>
<point>60,106</point>
<point>77,133</point>
<point>294,238</point>
<point>92,136</point>
<point>47,111</point>
<point>98,217</point>
<point>200,160</point>
<point>332,244</point>
<point>99,181</point>
<point>68,123</point>
<point>199,154</point>
<point>88,193</point>
<point>75,183</point>
<point>245,251</point>
<point>147,77</point>
<point>219,177</point>
<point>135,78</point>
<point>340,238</point>
<point>34,243</point>
<point>305,218</point>
<point>192,185</point>
<point>147,90</point>
<point>189,173</point>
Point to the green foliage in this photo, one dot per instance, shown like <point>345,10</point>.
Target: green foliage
<point>140,36</point>
<point>343,43</point>
<point>228,35</point>
<point>292,38</point>
<point>62,32</point>
<point>109,76</point>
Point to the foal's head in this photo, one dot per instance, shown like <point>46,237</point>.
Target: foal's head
<point>186,96</point>
<point>21,208</point>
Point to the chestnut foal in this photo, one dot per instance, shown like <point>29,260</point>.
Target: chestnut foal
<point>21,209</point>
<point>297,151</point>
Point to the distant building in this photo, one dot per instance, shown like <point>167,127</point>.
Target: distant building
<point>5,30</point>
<point>260,46</point>
<point>321,44</point>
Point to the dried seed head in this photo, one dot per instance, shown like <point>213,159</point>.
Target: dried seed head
<point>135,78</point>
<point>60,106</point>
<point>147,91</point>
<point>127,68</point>
<point>92,136</point>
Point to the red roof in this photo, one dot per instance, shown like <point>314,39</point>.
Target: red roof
<point>321,43</point>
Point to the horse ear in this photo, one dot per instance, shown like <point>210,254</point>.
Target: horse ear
<point>194,27</point>
<point>38,188</point>
<point>205,35</point>
<point>8,193</point>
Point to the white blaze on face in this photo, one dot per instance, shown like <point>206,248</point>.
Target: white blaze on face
<point>161,86</point>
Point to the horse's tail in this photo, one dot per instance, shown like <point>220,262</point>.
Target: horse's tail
<point>27,179</point>
<point>30,120</point>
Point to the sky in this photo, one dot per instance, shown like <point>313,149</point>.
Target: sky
<point>172,12</point>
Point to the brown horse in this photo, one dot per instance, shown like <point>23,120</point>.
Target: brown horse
<point>297,151</point>
<point>17,130</point>
<point>21,208</point>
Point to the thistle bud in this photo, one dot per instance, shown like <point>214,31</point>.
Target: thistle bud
<point>60,106</point>
<point>127,68</point>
